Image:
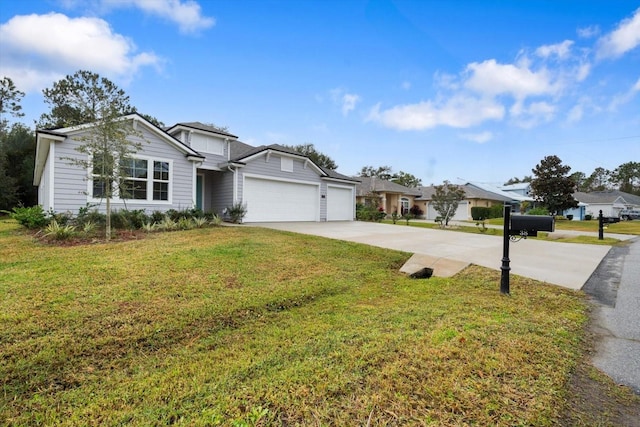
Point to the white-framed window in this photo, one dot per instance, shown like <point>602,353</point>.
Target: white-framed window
<point>143,179</point>
<point>404,202</point>
<point>286,164</point>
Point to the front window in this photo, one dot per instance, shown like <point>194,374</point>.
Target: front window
<point>160,180</point>
<point>140,179</point>
<point>101,173</point>
<point>135,180</point>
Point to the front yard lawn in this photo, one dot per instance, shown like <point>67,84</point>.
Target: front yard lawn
<point>246,326</point>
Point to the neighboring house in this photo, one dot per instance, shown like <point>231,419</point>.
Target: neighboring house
<point>391,197</point>
<point>195,165</point>
<point>474,196</point>
<point>610,202</point>
<point>521,188</point>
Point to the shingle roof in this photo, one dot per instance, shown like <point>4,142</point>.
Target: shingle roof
<point>373,184</point>
<point>470,191</point>
<point>204,127</point>
<point>608,196</point>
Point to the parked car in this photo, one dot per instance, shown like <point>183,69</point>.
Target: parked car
<point>629,214</point>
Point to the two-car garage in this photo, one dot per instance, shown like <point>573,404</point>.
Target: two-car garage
<point>276,200</point>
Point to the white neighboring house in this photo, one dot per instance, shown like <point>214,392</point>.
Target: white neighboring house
<point>611,202</point>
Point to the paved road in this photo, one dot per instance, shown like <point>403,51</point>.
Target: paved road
<point>615,287</point>
<point>565,264</point>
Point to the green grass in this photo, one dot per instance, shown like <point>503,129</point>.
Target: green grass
<point>472,228</point>
<point>622,227</point>
<point>247,326</point>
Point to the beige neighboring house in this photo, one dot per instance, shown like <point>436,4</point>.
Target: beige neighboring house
<point>474,196</point>
<point>391,197</point>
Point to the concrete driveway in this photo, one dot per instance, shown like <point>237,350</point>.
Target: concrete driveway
<point>564,264</point>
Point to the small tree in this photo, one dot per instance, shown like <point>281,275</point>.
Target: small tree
<point>107,146</point>
<point>446,200</point>
<point>82,98</point>
<point>553,186</point>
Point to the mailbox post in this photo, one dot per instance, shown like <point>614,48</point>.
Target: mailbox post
<point>504,277</point>
<point>519,226</point>
<point>600,226</point>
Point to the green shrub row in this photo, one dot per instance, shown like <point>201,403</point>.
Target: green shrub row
<point>36,218</point>
<point>479,213</point>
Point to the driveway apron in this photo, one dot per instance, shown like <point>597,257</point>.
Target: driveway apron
<point>564,264</point>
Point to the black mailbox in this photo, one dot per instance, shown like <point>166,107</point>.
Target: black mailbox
<point>529,225</point>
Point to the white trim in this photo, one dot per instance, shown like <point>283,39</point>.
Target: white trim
<point>52,167</point>
<point>275,178</point>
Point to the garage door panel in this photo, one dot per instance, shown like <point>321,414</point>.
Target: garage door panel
<point>460,215</point>
<point>340,204</point>
<point>270,200</point>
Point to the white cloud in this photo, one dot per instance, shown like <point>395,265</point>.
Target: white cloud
<point>491,78</point>
<point>459,111</point>
<point>39,49</point>
<point>576,113</point>
<point>561,50</point>
<point>528,116</point>
<point>624,98</point>
<point>588,32</point>
<point>480,138</point>
<point>187,14</point>
<point>623,39</point>
<point>346,101</point>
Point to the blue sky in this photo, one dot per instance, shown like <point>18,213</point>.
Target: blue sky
<point>445,90</point>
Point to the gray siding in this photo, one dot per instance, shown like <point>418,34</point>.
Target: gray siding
<point>220,192</point>
<point>71,181</point>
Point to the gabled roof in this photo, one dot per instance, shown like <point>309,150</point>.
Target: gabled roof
<point>510,195</point>
<point>376,185</point>
<point>516,187</point>
<point>201,127</point>
<point>46,136</point>
<point>470,191</point>
<point>606,197</point>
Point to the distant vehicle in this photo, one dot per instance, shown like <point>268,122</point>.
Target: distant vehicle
<point>629,214</point>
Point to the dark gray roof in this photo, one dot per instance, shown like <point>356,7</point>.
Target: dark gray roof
<point>605,197</point>
<point>203,127</point>
<point>376,185</point>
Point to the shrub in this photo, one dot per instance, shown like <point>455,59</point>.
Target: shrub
<point>539,211</point>
<point>167,224</point>
<point>59,231</point>
<point>33,217</point>
<point>94,217</point>
<point>199,222</point>
<point>369,212</point>
<point>215,220</point>
<point>496,211</point>
<point>236,212</point>
<point>588,217</point>
<point>570,217</point>
<point>416,211</point>
<point>156,217</point>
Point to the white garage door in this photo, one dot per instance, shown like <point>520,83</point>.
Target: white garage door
<point>272,201</point>
<point>460,215</point>
<point>340,204</point>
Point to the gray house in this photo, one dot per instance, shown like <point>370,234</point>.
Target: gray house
<point>196,165</point>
